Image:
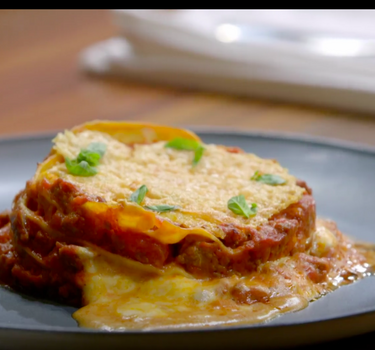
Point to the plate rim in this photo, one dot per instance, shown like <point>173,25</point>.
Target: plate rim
<point>214,130</point>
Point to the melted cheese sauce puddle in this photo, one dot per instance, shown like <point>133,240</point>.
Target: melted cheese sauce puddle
<point>122,294</point>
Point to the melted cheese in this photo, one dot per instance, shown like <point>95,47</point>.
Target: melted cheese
<point>124,294</point>
<point>201,192</point>
<point>324,240</point>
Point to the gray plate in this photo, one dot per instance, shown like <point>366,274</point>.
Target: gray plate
<point>342,177</point>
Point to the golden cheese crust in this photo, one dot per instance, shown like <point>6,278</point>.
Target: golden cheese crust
<point>200,192</point>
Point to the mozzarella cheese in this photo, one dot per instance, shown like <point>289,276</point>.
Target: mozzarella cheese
<point>122,294</point>
<point>324,240</point>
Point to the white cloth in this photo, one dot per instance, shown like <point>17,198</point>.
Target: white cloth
<point>192,48</point>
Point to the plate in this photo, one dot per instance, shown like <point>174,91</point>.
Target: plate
<point>342,178</point>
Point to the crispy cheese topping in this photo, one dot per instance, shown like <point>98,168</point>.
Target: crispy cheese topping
<point>201,193</point>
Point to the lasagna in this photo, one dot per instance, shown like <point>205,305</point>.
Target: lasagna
<point>143,226</point>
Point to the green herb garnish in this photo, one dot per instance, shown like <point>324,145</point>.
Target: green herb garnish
<point>87,159</point>
<point>239,206</point>
<point>81,168</point>
<point>161,207</point>
<point>183,144</point>
<point>198,155</point>
<point>92,153</point>
<point>268,179</point>
<point>139,194</point>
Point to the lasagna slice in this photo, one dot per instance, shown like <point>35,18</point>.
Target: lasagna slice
<point>145,227</point>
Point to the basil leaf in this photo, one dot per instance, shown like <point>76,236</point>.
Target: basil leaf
<point>198,155</point>
<point>97,147</point>
<point>161,207</point>
<point>255,176</point>
<point>183,144</point>
<point>268,179</point>
<point>89,157</point>
<point>239,206</point>
<point>92,153</point>
<point>253,209</point>
<point>139,194</point>
<point>81,168</point>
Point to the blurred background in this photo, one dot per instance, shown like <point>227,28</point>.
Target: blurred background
<point>290,71</point>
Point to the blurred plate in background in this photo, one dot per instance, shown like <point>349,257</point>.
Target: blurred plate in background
<point>323,58</point>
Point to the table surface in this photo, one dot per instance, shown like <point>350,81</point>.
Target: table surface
<point>43,90</point>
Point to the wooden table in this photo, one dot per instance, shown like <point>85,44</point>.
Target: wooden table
<point>42,88</point>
